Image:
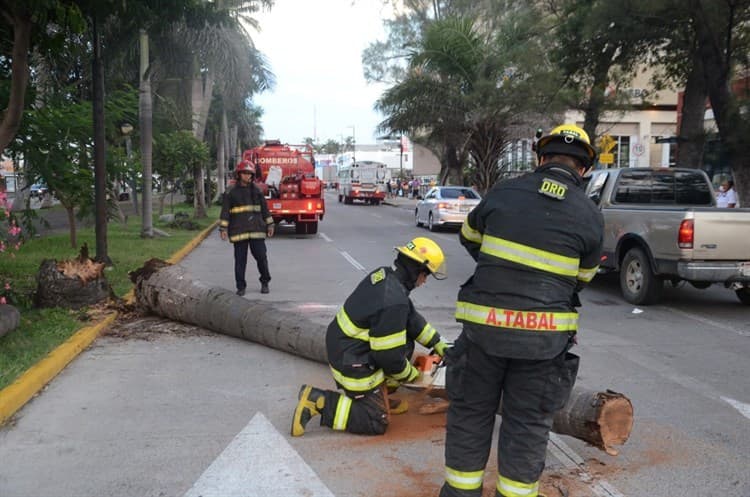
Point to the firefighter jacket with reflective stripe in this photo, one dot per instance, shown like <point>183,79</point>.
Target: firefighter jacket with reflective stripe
<point>372,336</point>
<point>244,213</point>
<point>537,240</point>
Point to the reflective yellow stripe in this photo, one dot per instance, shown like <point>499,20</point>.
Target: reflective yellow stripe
<point>244,208</point>
<point>223,223</point>
<point>249,235</point>
<point>343,406</point>
<point>269,220</point>
<point>404,373</point>
<point>359,384</point>
<point>350,329</point>
<point>530,256</point>
<point>587,275</point>
<point>463,480</point>
<point>512,488</point>
<point>426,334</point>
<point>517,320</point>
<point>470,233</point>
<point>388,342</point>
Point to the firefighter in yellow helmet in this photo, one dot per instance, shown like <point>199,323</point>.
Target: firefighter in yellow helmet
<point>370,343</point>
<point>537,240</point>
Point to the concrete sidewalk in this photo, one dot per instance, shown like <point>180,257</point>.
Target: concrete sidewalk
<point>402,202</point>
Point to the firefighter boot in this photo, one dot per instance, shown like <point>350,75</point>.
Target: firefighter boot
<point>397,406</point>
<point>311,401</point>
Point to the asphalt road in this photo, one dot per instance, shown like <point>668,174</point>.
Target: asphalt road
<point>157,409</point>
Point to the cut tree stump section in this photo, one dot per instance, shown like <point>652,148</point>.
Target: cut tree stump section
<point>602,419</point>
<point>73,283</point>
<point>10,318</point>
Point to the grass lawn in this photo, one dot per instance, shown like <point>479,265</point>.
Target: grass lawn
<point>42,330</point>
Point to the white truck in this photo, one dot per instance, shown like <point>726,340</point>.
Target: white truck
<point>663,225</point>
<point>364,181</point>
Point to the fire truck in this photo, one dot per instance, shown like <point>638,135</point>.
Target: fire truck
<point>363,180</point>
<point>286,175</point>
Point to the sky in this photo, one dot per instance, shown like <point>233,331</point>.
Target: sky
<point>315,48</point>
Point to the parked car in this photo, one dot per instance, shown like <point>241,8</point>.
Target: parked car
<point>37,190</point>
<point>445,206</point>
<point>663,225</point>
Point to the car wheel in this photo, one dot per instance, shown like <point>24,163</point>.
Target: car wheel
<point>638,283</point>
<point>744,295</point>
<point>430,225</point>
<point>416,218</point>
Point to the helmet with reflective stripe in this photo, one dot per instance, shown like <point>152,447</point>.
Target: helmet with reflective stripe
<point>567,139</point>
<point>428,253</point>
<point>245,166</point>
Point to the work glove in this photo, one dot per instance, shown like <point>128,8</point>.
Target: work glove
<point>441,347</point>
<point>414,375</point>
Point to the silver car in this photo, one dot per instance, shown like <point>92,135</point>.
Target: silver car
<point>445,206</point>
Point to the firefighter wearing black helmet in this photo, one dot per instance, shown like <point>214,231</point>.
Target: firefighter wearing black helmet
<point>370,343</point>
<point>246,222</point>
<point>537,241</point>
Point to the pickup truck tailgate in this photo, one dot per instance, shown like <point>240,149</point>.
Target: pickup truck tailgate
<point>722,234</point>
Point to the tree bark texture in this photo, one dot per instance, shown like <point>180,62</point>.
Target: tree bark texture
<point>100,159</point>
<point>19,78</point>
<point>170,291</point>
<point>692,135</point>
<point>600,418</point>
<point>145,118</point>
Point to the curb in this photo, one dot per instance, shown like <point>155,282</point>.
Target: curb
<point>17,394</point>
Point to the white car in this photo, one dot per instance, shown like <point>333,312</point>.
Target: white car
<point>445,206</point>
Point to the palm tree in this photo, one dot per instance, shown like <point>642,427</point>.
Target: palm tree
<point>466,93</point>
<point>213,61</point>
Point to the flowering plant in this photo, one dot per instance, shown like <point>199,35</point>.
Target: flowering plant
<point>10,240</point>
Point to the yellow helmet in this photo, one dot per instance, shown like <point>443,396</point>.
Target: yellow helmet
<point>427,252</point>
<point>567,139</point>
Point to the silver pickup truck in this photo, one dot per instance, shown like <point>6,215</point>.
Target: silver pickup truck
<point>663,225</point>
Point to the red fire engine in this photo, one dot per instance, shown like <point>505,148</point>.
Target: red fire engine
<point>286,175</point>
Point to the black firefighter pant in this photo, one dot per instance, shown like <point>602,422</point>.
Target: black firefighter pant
<point>532,391</point>
<point>258,249</point>
<point>361,413</point>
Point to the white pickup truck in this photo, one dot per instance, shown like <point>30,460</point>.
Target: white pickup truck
<point>663,225</point>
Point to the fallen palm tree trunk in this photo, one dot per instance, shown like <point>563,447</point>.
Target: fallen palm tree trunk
<point>602,419</point>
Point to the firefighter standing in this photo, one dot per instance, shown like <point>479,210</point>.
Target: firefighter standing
<point>245,220</point>
<point>537,241</point>
<point>370,343</point>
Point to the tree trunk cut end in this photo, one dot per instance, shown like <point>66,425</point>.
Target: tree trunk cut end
<point>615,420</point>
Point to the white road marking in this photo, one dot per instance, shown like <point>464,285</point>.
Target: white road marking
<point>571,460</point>
<point>376,215</point>
<point>313,305</point>
<point>259,462</point>
<point>325,237</point>
<point>740,406</point>
<point>353,261</point>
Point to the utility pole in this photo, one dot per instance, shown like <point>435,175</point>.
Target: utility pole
<point>354,143</point>
<point>401,157</point>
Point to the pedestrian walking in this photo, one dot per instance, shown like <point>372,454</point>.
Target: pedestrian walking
<point>370,343</point>
<point>537,241</point>
<point>246,222</point>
